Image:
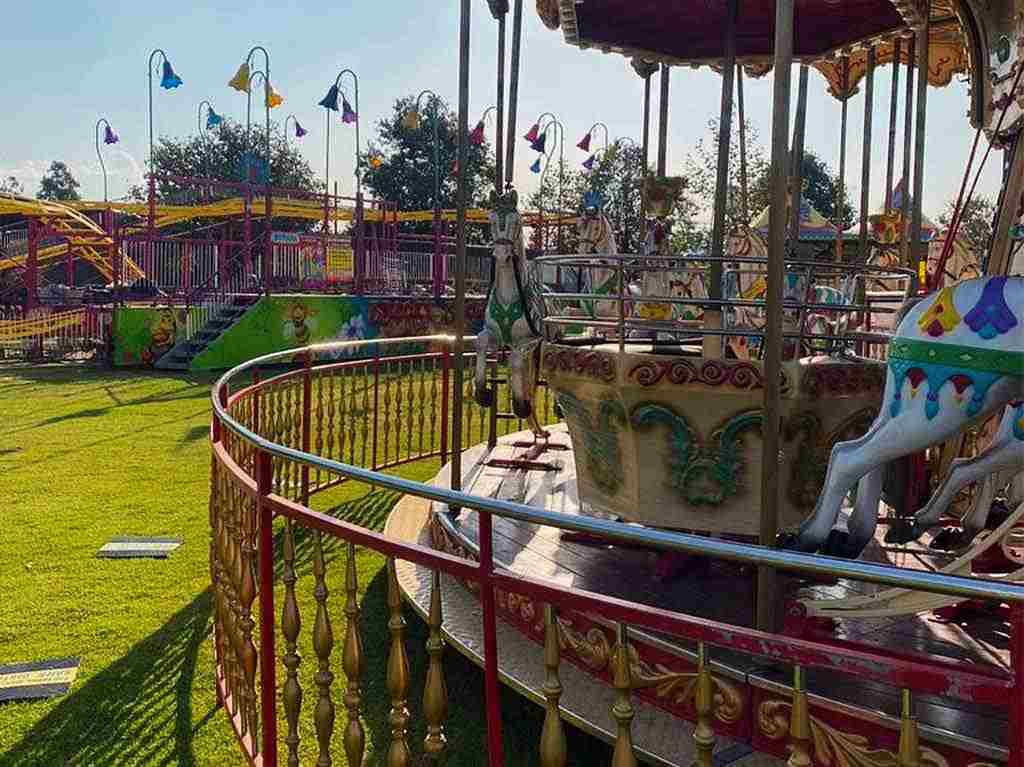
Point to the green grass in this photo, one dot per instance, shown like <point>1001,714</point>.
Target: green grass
<point>86,455</point>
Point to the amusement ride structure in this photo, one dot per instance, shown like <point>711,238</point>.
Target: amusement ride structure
<point>708,507</point>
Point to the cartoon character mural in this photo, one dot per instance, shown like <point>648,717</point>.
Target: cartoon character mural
<point>299,323</point>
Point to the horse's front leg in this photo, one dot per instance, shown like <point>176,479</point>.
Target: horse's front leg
<point>483,395</point>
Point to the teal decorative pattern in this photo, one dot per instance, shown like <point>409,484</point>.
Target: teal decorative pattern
<point>704,472</point>
<point>600,441</point>
<point>972,358</point>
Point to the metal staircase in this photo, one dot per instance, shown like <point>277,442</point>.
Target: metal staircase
<point>224,317</point>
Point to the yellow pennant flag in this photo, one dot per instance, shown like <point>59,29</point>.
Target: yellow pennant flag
<point>240,82</point>
<point>272,97</point>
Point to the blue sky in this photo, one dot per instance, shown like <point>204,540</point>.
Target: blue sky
<point>68,63</point>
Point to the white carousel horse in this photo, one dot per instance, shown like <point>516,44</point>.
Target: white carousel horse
<point>594,231</point>
<point>957,357</point>
<point>1000,464</point>
<point>513,315</point>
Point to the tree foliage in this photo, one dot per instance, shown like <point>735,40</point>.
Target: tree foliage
<point>693,232</point>
<point>616,176</point>
<point>975,223</point>
<point>58,183</point>
<point>11,185</point>
<point>400,168</point>
<point>223,154</point>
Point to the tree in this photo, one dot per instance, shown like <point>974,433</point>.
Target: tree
<point>616,176</point>
<point>975,223</point>
<point>223,154</point>
<point>401,168</point>
<point>820,189</point>
<point>58,183</point>
<point>11,185</point>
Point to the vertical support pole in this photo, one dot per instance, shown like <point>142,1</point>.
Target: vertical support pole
<point>841,187</point>
<point>268,248</point>
<point>32,267</point>
<point>919,256</point>
<point>69,268</point>
<point>513,89</point>
<point>796,168</point>
<point>436,268</point>
<point>1016,729</point>
<point>766,592</point>
<point>359,251</point>
<point>713,315</point>
<point>908,125</point>
<point>499,129</point>
<point>663,122</point>
<point>894,98</point>
<point>248,227</point>
<point>865,169</point>
<point>742,115</point>
<point>151,214</point>
<point>268,655</point>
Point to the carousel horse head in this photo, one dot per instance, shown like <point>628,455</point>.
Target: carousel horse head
<point>592,227</point>
<point>506,226</point>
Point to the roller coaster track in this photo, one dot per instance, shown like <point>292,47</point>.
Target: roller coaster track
<point>81,235</point>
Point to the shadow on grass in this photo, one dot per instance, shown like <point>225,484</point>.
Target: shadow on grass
<point>137,711</point>
<point>466,726</point>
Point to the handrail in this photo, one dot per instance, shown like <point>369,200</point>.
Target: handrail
<point>936,583</point>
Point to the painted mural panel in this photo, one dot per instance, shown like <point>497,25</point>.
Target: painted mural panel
<point>144,334</point>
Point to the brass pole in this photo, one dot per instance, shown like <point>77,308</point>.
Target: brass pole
<point>713,317</point>
<point>908,131</point>
<point>843,130</point>
<point>744,191</point>
<point>865,163</point>
<point>894,97</point>
<point>499,135</point>
<point>766,576</point>
<point>513,90</point>
<point>917,259</point>
<point>663,122</point>
<point>462,192</point>
<point>797,157</point>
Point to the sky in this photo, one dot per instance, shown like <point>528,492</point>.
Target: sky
<point>69,62</point>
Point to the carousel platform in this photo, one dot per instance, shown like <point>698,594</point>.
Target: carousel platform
<point>861,714</point>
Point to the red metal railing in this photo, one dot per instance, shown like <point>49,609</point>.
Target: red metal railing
<point>278,440</point>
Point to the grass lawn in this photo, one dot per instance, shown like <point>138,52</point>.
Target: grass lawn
<point>86,455</point>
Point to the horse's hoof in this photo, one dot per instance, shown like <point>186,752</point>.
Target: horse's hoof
<point>484,397</point>
<point>901,531</point>
<point>948,539</point>
<point>788,542</point>
<point>559,413</point>
<point>521,408</point>
<point>997,514</point>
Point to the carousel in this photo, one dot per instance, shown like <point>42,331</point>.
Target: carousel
<point>856,393</point>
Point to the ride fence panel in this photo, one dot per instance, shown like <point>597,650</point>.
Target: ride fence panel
<point>313,263</point>
<point>55,333</point>
<point>279,439</point>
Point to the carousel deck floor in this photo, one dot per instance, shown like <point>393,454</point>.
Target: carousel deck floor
<point>725,592</point>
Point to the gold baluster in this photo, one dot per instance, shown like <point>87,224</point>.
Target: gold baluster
<point>235,577</point>
<point>386,416</point>
<point>398,675</point>
<point>423,403</point>
<point>910,748</point>
<point>246,596</point>
<point>799,723</point>
<point>323,643</point>
<point>295,431</point>
<point>291,625</point>
<point>318,421</point>
<point>434,437</point>
<point>275,436</point>
<point>553,748</point>
<point>336,438</point>
<point>435,692</point>
<point>622,710</point>
<point>352,662</point>
<point>365,425</point>
<point>704,733</point>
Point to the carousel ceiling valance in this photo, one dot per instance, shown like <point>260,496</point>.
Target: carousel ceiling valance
<point>690,32</point>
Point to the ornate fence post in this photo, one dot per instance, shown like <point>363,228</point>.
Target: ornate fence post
<point>352,663</point>
<point>909,754</point>
<point>435,692</point>
<point>268,658</point>
<point>376,405</point>
<point>553,747</point>
<point>704,733</point>
<point>445,393</point>
<point>799,723</point>
<point>307,396</point>
<point>622,709</point>
<point>397,676</point>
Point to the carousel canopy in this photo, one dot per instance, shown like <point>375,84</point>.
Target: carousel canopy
<point>827,32</point>
<point>814,227</point>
